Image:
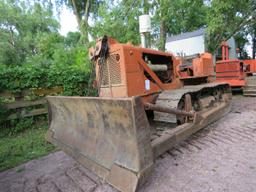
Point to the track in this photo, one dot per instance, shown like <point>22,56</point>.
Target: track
<point>219,158</point>
<point>172,98</point>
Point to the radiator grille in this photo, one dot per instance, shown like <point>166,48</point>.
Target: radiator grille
<point>114,70</point>
<point>111,67</point>
<point>104,77</point>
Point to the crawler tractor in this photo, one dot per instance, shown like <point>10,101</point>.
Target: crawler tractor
<point>142,111</point>
<point>238,73</point>
<point>195,69</point>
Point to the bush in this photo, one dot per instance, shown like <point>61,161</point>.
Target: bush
<point>75,80</point>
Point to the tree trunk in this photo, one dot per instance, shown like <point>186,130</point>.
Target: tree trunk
<point>87,11</point>
<point>254,45</point>
<point>85,27</point>
<point>162,35</point>
<point>78,19</point>
<point>82,22</point>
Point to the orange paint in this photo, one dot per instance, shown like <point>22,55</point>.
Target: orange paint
<point>231,71</point>
<point>251,66</point>
<point>201,66</point>
<point>127,74</point>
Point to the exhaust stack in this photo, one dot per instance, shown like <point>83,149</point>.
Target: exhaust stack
<point>145,27</point>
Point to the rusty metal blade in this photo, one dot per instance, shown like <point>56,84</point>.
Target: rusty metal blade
<point>103,133</point>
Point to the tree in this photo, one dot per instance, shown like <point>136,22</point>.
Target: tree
<point>226,18</point>
<point>118,21</point>
<point>252,33</point>
<point>82,9</point>
<point>21,25</point>
<point>254,45</point>
<point>72,39</point>
<point>241,40</point>
<point>121,20</point>
<point>175,17</point>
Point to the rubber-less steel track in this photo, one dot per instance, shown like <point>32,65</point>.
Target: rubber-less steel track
<point>172,98</point>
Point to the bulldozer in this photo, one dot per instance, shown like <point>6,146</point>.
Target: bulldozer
<point>142,111</point>
<point>195,69</point>
<point>232,71</point>
<point>238,73</point>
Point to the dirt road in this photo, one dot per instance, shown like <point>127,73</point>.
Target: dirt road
<point>220,158</point>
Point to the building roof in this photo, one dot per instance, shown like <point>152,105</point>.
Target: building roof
<point>186,35</point>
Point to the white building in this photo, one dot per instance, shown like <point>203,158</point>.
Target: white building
<point>194,42</point>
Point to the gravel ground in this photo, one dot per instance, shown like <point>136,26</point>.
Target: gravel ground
<point>220,158</point>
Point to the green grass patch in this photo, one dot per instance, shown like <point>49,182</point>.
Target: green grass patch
<point>23,146</point>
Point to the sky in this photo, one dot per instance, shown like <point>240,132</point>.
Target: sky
<point>67,21</point>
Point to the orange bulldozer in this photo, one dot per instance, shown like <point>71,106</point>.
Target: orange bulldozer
<point>238,73</point>
<point>143,110</point>
<point>195,69</point>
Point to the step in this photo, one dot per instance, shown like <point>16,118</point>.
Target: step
<point>250,87</point>
<point>249,95</point>
<point>249,91</point>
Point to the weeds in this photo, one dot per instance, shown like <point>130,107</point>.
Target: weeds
<point>23,142</point>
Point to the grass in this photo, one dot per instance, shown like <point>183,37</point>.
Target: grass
<point>25,145</point>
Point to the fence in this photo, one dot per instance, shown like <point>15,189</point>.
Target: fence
<point>27,103</point>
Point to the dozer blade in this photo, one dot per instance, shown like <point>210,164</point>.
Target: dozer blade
<point>111,137</point>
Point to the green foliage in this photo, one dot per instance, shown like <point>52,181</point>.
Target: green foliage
<point>34,55</point>
<point>241,41</point>
<point>20,126</point>
<point>175,17</point>
<point>222,19</point>
<point>21,26</point>
<point>82,9</point>
<point>118,21</point>
<point>3,112</point>
<point>72,39</point>
<point>226,18</point>
<point>71,77</point>
<point>23,146</point>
